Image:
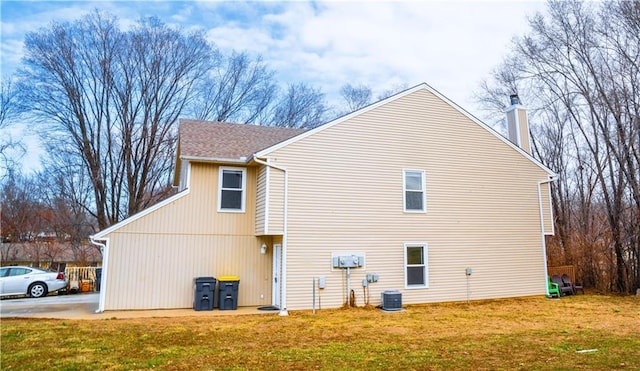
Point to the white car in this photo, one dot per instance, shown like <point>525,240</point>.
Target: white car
<point>20,280</point>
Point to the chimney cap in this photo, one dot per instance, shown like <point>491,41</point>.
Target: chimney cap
<point>514,99</point>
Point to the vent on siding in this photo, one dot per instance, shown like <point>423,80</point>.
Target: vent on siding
<point>391,300</point>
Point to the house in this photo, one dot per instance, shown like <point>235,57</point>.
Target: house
<point>429,200</point>
<point>48,253</point>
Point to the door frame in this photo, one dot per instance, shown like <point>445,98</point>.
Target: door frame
<point>276,275</point>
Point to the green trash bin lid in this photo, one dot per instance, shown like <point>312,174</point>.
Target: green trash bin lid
<point>228,278</point>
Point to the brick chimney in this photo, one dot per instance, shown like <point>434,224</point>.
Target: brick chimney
<point>518,124</point>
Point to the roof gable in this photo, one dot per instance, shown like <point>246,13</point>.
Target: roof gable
<point>265,152</point>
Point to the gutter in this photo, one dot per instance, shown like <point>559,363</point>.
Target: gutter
<point>105,259</point>
<point>283,278</point>
<point>552,178</point>
<point>240,161</point>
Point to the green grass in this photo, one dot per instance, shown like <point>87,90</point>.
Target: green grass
<point>524,333</point>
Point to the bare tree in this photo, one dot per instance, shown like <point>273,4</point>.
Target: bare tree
<point>240,90</point>
<point>65,192</point>
<point>356,97</point>
<point>20,221</point>
<point>300,107</point>
<point>158,69</point>
<point>579,66</point>
<point>10,149</point>
<point>44,218</point>
<point>8,103</point>
<point>24,220</point>
<point>110,99</point>
<point>395,89</point>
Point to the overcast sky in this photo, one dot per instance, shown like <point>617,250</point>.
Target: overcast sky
<point>451,45</point>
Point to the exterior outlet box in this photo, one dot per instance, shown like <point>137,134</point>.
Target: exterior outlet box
<point>322,282</point>
<point>468,271</point>
<point>365,283</point>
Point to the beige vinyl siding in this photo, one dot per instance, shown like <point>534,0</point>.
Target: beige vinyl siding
<point>523,129</point>
<point>270,202</point>
<point>276,201</point>
<point>197,213</point>
<point>153,259</point>
<point>157,271</point>
<point>261,194</point>
<point>547,212</point>
<point>345,193</point>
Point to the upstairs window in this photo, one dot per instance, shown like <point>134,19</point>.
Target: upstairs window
<point>416,268</point>
<point>232,189</point>
<point>415,199</point>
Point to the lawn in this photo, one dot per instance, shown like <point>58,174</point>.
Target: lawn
<point>581,332</point>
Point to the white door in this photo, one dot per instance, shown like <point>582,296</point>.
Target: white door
<point>277,268</point>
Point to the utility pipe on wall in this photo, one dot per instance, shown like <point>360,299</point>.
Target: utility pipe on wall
<point>105,270</point>
<point>542,234</point>
<point>314,295</point>
<point>348,285</point>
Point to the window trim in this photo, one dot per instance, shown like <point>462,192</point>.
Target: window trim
<point>425,256</point>
<point>221,171</point>
<point>423,190</point>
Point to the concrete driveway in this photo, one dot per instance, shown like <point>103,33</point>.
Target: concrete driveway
<point>54,306</point>
<point>84,306</point>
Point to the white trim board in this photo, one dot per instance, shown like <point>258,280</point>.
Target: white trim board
<point>100,235</point>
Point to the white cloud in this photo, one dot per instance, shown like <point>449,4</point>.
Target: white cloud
<point>12,51</point>
<point>239,39</point>
<point>183,15</point>
<point>451,45</point>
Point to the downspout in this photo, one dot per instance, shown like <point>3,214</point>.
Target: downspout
<point>542,234</point>
<point>283,278</point>
<point>105,259</point>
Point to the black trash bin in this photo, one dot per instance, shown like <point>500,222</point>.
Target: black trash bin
<point>98,278</point>
<point>228,292</point>
<point>203,293</point>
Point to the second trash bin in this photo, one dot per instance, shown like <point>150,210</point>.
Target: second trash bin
<point>203,288</point>
<point>228,292</point>
<point>98,278</point>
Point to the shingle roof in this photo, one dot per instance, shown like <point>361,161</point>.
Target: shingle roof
<point>217,140</point>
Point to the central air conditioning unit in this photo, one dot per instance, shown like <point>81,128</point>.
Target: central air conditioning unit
<point>391,300</point>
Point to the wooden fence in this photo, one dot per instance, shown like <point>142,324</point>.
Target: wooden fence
<point>569,270</point>
<point>81,278</point>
